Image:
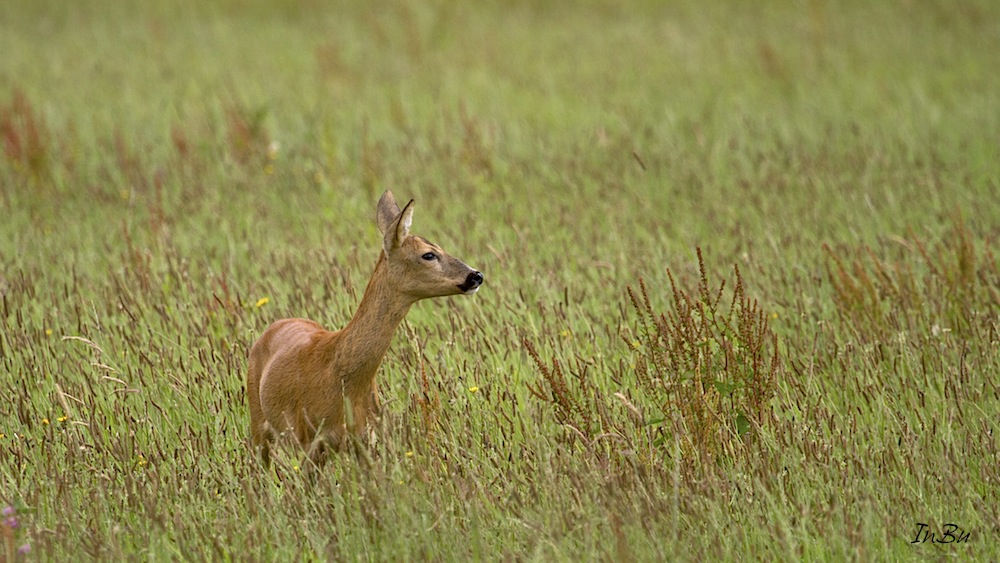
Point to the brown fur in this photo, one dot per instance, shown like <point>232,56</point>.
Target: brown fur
<point>312,383</point>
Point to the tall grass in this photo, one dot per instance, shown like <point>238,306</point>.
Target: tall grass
<point>741,277</point>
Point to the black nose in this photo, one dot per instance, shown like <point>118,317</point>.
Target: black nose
<point>472,281</point>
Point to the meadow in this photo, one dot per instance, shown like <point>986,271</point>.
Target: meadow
<point>742,293</point>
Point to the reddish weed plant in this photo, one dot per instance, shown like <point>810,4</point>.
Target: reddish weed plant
<point>699,381</point>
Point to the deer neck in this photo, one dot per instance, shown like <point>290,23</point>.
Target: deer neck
<point>367,337</point>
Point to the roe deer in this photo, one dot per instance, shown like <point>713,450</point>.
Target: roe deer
<point>313,383</point>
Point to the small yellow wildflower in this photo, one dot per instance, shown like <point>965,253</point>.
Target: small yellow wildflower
<point>774,315</point>
<point>45,421</point>
<point>409,454</point>
<point>63,418</point>
<point>262,301</point>
<point>141,461</point>
<point>48,332</point>
<point>295,468</point>
<point>566,333</point>
<point>2,435</point>
<point>473,389</point>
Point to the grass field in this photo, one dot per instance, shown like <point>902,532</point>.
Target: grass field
<point>742,293</point>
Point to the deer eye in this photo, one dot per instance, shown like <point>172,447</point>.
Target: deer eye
<point>429,256</point>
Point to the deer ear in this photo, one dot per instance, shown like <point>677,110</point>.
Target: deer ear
<point>399,230</point>
<point>386,212</point>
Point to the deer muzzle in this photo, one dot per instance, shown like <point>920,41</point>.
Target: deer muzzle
<point>472,283</point>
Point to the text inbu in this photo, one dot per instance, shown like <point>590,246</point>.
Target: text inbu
<point>951,533</point>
